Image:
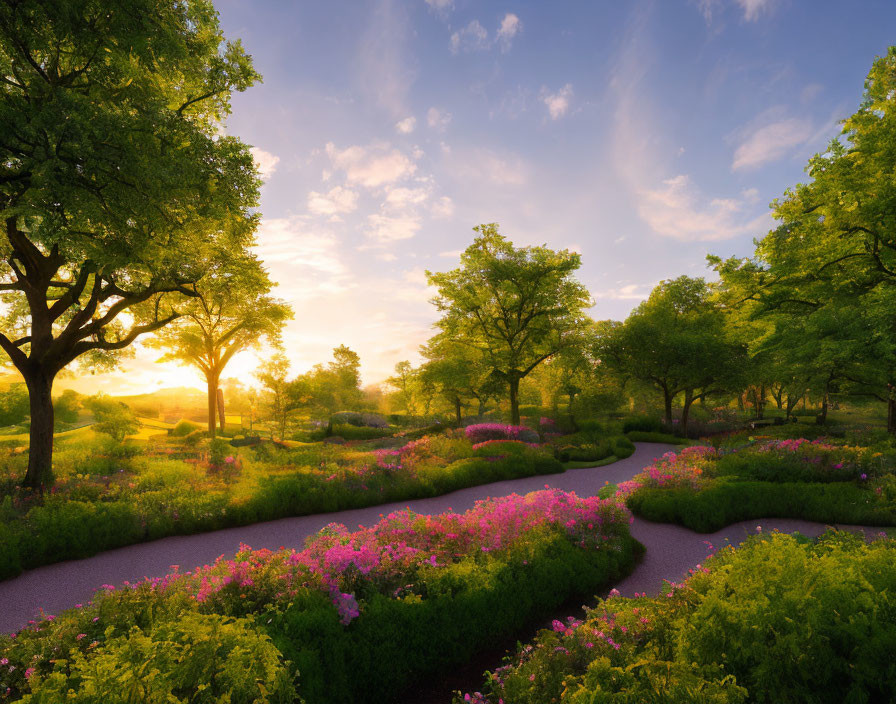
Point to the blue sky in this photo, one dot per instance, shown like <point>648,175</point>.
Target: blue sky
<point>641,134</point>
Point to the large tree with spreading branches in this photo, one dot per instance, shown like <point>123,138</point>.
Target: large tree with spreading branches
<point>117,183</point>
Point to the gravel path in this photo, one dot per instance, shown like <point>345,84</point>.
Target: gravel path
<point>671,550</point>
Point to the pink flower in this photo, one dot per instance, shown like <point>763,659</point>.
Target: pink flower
<point>28,673</point>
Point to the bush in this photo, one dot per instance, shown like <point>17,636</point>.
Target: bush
<point>722,503</point>
<point>779,621</point>
<point>194,437</point>
<point>353,432</point>
<point>184,427</point>
<point>645,424</point>
<point>649,436</point>
<point>359,615</point>
<point>200,659</point>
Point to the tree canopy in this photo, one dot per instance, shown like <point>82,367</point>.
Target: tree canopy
<point>516,306</point>
<point>117,182</point>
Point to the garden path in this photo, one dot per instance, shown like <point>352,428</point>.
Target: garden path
<point>671,549</point>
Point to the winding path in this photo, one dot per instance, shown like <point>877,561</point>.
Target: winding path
<point>671,549</point>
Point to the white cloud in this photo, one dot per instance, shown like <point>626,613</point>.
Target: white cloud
<point>391,228</point>
<point>304,259</point>
<point>438,119</point>
<point>510,26</point>
<point>443,208</point>
<point>405,197</point>
<point>671,205</point>
<point>443,7</point>
<point>485,166</point>
<point>677,209</point>
<point>473,37</point>
<point>771,142</point>
<point>407,125</point>
<point>629,292</point>
<point>337,201</point>
<point>558,103</point>
<point>451,254</point>
<point>753,8</point>
<point>371,166</point>
<point>265,162</point>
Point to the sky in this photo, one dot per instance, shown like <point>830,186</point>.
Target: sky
<point>641,134</point>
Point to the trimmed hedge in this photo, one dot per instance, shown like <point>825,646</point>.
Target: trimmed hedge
<point>76,529</point>
<point>722,503</point>
<point>470,607</point>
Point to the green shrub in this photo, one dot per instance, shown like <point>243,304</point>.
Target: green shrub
<point>722,503</point>
<point>194,437</point>
<point>198,659</point>
<point>184,427</point>
<point>469,607</point>
<point>646,424</point>
<point>352,432</point>
<point>782,620</point>
<point>649,436</point>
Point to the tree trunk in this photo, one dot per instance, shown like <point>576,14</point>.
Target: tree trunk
<point>222,417</point>
<point>39,475</point>
<point>760,406</point>
<point>212,382</point>
<point>572,415</point>
<point>823,416</point>
<point>514,384</point>
<point>457,410</point>
<point>667,400</point>
<point>685,412</point>
<point>480,411</point>
<point>891,409</point>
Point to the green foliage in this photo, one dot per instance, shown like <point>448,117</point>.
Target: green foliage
<point>520,305</point>
<point>14,405</point>
<point>113,418</point>
<point>645,424</point>
<point>781,620</point>
<point>722,503</point>
<point>184,428</point>
<point>469,607</point>
<point>198,659</point>
<point>123,239</point>
<point>65,407</point>
<point>644,436</point>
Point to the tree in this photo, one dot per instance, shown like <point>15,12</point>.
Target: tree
<point>516,306</point>
<point>835,246</point>
<point>336,387</point>
<point>116,182</point>
<point>13,405</point>
<point>113,417</point>
<point>230,312</point>
<point>403,380</point>
<point>278,398</point>
<point>458,374</point>
<point>65,408</point>
<point>676,341</point>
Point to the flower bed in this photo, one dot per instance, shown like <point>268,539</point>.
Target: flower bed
<point>779,620</point>
<point>355,615</point>
<point>144,498</point>
<point>706,488</point>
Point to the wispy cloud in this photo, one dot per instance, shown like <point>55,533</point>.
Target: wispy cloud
<point>510,26</point>
<point>438,119</point>
<point>386,228</point>
<point>406,126</point>
<point>628,292</point>
<point>371,166</point>
<point>668,201</point>
<point>473,37</point>
<point>754,8</point>
<point>385,75</point>
<point>557,102</point>
<point>265,161</point>
<point>338,201</point>
<point>442,7</point>
<point>770,142</point>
